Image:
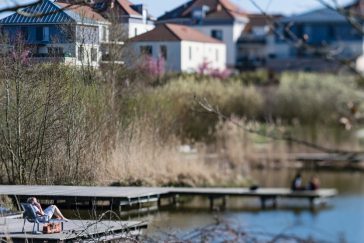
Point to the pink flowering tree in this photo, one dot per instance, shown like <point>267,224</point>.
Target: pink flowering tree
<point>206,69</point>
<point>155,67</point>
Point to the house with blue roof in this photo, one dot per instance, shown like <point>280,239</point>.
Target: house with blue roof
<point>53,30</point>
<point>327,35</point>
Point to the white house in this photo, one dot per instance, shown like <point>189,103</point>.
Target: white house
<point>183,48</point>
<point>134,18</point>
<point>220,19</point>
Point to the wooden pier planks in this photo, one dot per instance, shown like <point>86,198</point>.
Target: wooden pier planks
<point>74,229</point>
<point>143,193</point>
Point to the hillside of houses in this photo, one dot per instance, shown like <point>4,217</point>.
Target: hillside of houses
<point>217,33</point>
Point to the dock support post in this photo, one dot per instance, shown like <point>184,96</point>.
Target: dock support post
<point>175,200</point>
<point>274,202</point>
<point>312,203</point>
<point>263,202</point>
<point>159,203</point>
<point>211,203</point>
<point>92,203</point>
<point>223,202</point>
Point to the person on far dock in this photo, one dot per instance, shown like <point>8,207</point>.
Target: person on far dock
<point>314,183</point>
<point>297,183</point>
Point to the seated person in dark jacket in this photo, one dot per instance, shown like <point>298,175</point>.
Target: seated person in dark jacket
<point>314,184</point>
<point>297,184</point>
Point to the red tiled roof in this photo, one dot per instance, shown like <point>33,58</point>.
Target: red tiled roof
<point>174,32</point>
<point>260,20</point>
<point>82,10</point>
<point>126,6</point>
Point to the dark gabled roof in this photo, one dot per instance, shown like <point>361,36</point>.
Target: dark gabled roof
<point>218,9</point>
<point>49,11</point>
<point>355,9</point>
<point>174,32</point>
<point>317,15</point>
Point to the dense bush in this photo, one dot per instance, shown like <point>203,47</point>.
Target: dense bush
<point>52,123</point>
<point>314,98</point>
<point>174,108</point>
<point>73,126</point>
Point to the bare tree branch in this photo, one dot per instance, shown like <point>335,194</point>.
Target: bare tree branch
<point>328,53</point>
<point>273,135</point>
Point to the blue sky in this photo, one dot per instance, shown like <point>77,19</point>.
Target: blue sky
<point>158,7</point>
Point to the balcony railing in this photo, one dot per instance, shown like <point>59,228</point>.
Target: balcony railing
<point>252,39</point>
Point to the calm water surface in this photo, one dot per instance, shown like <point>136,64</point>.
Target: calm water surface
<point>341,221</point>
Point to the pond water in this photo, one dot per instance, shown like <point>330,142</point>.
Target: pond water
<point>341,221</point>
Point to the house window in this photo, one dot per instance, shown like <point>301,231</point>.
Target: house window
<point>135,31</point>
<point>93,54</point>
<point>217,34</point>
<point>39,33</point>
<point>331,31</point>
<point>42,33</point>
<point>163,52</point>
<point>190,53</point>
<point>80,53</point>
<point>103,33</point>
<point>55,51</point>
<point>146,50</point>
<point>24,32</point>
<point>217,55</point>
<point>46,34</point>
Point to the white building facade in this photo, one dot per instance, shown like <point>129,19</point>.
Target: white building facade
<point>133,18</point>
<point>183,49</point>
<point>219,19</point>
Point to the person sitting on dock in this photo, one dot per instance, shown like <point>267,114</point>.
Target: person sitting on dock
<point>297,184</point>
<point>49,211</point>
<point>314,184</point>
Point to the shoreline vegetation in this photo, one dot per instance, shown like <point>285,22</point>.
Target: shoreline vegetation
<point>81,126</point>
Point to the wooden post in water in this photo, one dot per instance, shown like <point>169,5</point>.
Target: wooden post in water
<point>312,203</point>
<point>223,202</point>
<point>274,202</point>
<point>175,199</point>
<point>263,202</point>
<point>211,198</point>
<point>115,204</point>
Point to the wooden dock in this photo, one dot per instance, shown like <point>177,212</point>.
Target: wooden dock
<point>74,230</point>
<point>327,157</point>
<point>115,197</point>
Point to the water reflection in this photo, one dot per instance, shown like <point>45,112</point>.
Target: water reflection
<point>341,221</point>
